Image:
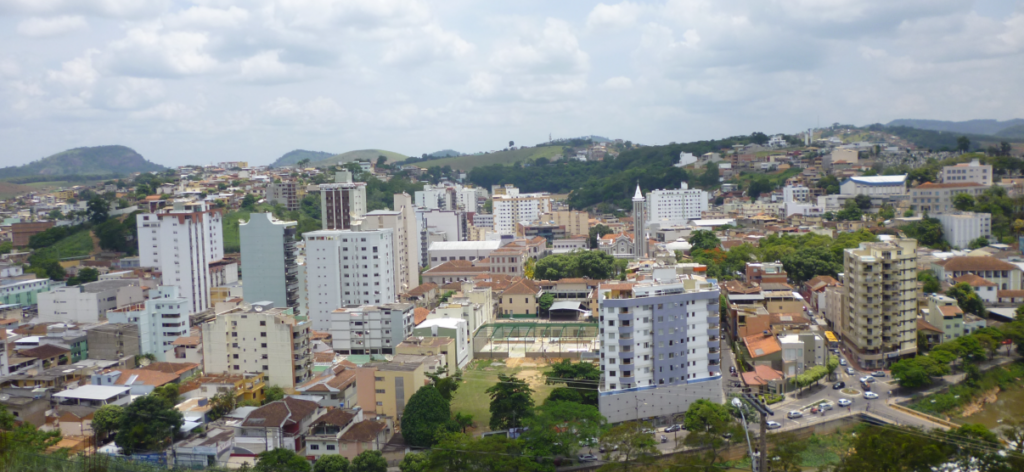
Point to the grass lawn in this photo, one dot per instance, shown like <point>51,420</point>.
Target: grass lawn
<point>501,157</point>
<point>481,374</point>
<point>78,244</point>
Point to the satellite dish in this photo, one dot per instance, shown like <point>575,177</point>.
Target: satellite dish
<point>4,397</point>
<point>257,308</point>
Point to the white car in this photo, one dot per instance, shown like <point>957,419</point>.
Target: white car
<point>842,361</point>
<point>870,395</point>
<point>794,414</point>
<point>773,425</point>
<point>869,379</point>
<point>850,371</point>
<point>845,402</point>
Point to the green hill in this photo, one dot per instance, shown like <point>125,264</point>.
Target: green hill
<point>505,158</point>
<point>85,161</point>
<point>1012,132</point>
<point>360,155</point>
<point>297,155</point>
<point>989,127</point>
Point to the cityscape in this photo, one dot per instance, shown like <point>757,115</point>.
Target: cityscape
<point>831,297</point>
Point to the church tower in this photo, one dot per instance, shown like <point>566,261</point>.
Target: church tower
<point>639,225</point>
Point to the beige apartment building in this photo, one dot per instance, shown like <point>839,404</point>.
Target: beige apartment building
<point>936,199</point>
<point>396,381</point>
<point>262,339</point>
<point>406,245</point>
<point>880,294</point>
<point>575,222</point>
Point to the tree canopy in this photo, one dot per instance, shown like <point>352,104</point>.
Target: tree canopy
<point>580,380</point>
<point>595,265</point>
<point>148,423</point>
<point>557,428</point>
<point>426,416</point>
<point>511,402</point>
<point>280,460</point>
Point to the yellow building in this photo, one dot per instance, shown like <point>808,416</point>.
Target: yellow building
<point>396,381</point>
<point>432,346</point>
<point>246,387</point>
<point>520,298</point>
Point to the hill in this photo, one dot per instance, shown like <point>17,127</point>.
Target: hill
<point>989,127</point>
<point>505,158</point>
<point>85,161</point>
<point>361,155</point>
<point>444,153</point>
<point>11,190</point>
<point>1012,132</point>
<point>297,155</point>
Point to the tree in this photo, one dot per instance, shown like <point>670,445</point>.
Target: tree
<point>98,210</point>
<point>369,461</point>
<point>272,394</point>
<point>927,231</point>
<point>249,202</point>
<point>580,380</point>
<point>6,247</point>
<point>107,419</point>
<point>977,448</point>
<point>931,283</point>
<point>459,452</point>
<point>426,415</point>
<point>25,437</point>
<point>757,186</point>
<point>887,212</point>
<point>863,202</point>
<point>636,448</point>
<point>463,420</point>
<point>710,178</point>
<point>1004,148</point>
<point>786,453</point>
<point>758,137</point>
<point>556,428</point>
<point>963,202</point>
<point>967,299</point>
<point>918,371</point>
<point>446,384</point>
<point>280,460</point>
<point>850,212</point>
<point>222,404</point>
<point>908,214</point>
<point>704,239</point>
<point>596,231</point>
<point>148,424</point>
<point>891,450</point>
<point>414,462</point>
<point>88,274</point>
<point>332,463</point>
<point>511,402</point>
<point>169,393</point>
<point>530,267</point>
<point>810,262</point>
<point>511,143</point>
<point>545,301</point>
<point>978,243</point>
<point>963,144</point>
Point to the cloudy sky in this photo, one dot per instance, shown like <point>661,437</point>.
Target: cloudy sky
<point>212,80</point>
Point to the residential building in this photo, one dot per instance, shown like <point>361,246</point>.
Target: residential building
<point>453,271</point>
<point>162,319</point>
<point>141,382</point>
<point>973,171</point>
<point>796,193</point>
<point>248,387</point>
<point>639,229</point>
<point>875,186</point>
<point>264,340</point>
<point>94,396</point>
<point>987,291</point>
<point>22,232</point>
<point>936,199</point>
<point>283,193</point>
<point>342,202</point>
<point>880,291</point>
<point>277,425</point>
<point>269,267</point>
<point>511,207</point>
<point>483,220</point>
<point>182,243</point>
<point>25,292</point>
<point>944,313</point>
<point>430,346</point>
<point>1006,275</point>
<point>406,245</point>
<point>520,298</point>
<point>397,380</point>
<point>345,432</point>
<point>765,273</point>
<point>453,328</point>
<point>347,268</point>
<point>441,252</point>
<point>199,451</point>
<point>371,329</point>
<point>674,206</point>
<point>509,260</point>
<point>438,197</point>
<point>187,349</point>
<point>27,405</point>
<point>88,303</point>
<point>113,341</point>
<point>659,345</point>
<point>574,222</point>
<point>960,228</point>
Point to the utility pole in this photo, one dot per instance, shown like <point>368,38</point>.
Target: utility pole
<point>765,413</point>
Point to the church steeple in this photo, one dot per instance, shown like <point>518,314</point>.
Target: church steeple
<point>639,224</point>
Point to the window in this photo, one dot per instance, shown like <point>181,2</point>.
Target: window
<point>331,447</point>
<point>314,447</point>
<point>380,403</point>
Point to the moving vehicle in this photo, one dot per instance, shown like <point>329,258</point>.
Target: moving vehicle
<point>773,425</point>
<point>587,458</point>
<point>838,385</point>
<point>824,406</point>
<point>878,373</point>
<point>867,379</point>
<point>794,414</point>
<point>673,428</point>
<point>870,395</point>
<point>845,402</point>
<point>850,371</point>
<point>842,361</point>
<point>664,439</point>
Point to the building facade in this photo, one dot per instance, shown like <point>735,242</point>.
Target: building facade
<point>639,229</point>
<point>161,319</point>
<point>973,171</point>
<point>659,346</point>
<point>880,291</point>
<point>960,228</point>
<point>347,268</point>
<point>875,186</point>
<point>284,194</point>
<point>262,339</point>
<point>371,329</point>
<point>513,207</point>
<point>342,202</point>
<point>936,199</point>
<point>406,245</point>
<point>88,303</point>
<point>269,267</point>
<point>675,206</point>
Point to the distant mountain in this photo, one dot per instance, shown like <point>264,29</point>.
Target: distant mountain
<point>297,155</point>
<point>989,127</point>
<point>99,160</point>
<point>445,153</point>
<point>360,155</point>
<point>1012,132</point>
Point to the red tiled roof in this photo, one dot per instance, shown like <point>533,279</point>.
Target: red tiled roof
<point>364,431</point>
<point>974,281</point>
<point>951,311</point>
<point>923,325</point>
<point>968,263</point>
<point>761,344</point>
<point>419,315</point>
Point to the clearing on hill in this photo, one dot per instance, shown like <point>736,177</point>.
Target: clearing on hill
<point>505,158</point>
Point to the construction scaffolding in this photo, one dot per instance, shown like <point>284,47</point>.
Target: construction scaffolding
<point>536,340</point>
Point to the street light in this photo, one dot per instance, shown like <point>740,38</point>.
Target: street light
<point>750,448</point>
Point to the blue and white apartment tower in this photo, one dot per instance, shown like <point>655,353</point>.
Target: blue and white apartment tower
<point>660,346</point>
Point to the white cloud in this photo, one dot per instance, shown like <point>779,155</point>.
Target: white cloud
<point>198,17</point>
<point>78,72</point>
<point>618,83</point>
<point>101,8</point>
<point>266,67</point>
<point>150,52</point>
<point>613,17</point>
<point>167,111</point>
<point>46,27</point>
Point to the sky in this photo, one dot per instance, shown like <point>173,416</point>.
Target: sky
<point>205,81</point>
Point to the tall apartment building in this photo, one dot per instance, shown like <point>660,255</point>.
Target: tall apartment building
<point>346,268</point>
<point>639,228</point>
<point>261,339</point>
<point>342,202</point>
<point>371,329</point>
<point>88,303</point>
<point>659,345</point>
<point>936,199</point>
<point>284,193</point>
<point>796,194</point>
<point>880,293</point>
<point>182,242</point>
<point>512,207</point>
<point>575,222</point>
<point>161,319</point>
<point>113,341</point>
<point>407,242</point>
<point>675,206</point>
<point>960,228</point>
<point>973,171</point>
<point>269,267</point>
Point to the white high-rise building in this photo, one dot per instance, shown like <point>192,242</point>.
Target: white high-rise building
<point>345,268</point>
<point>402,220</point>
<point>161,319</point>
<point>513,207</point>
<point>675,206</point>
<point>447,197</point>
<point>973,171</point>
<point>796,193</point>
<point>182,243</point>
<point>659,345</point>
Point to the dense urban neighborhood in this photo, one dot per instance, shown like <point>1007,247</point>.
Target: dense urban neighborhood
<point>384,313</point>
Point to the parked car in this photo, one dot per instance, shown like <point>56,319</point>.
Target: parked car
<point>824,407</point>
<point>587,457</point>
<point>867,380</point>
<point>732,369</point>
<point>842,361</point>
<point>838,385</point>
<point>794,414</point>
<point>773,425</point>
<point>870,395</point>
<point>878,373</point>
<point>604,448</point>
<point>673,428</point>
<point>648,431</point>
<point>850,371</point>
<point>845,402</point>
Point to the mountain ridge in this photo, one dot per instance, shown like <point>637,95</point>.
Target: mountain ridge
<point>982,126</point>
<point>96,160</point>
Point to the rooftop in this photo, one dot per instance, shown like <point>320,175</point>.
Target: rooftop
<point>93,392</point>
<point>968,263</point>
<point>464,245</point>
<point>761,344</point>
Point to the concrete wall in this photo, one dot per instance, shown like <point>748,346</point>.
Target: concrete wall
<point>665,402</point>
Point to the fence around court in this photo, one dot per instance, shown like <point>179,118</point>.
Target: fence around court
<point>535,340</point>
